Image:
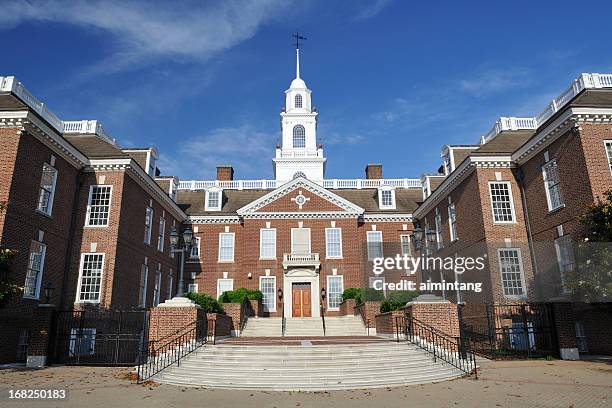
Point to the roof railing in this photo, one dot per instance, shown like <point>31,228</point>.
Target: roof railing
<point>272,184</point>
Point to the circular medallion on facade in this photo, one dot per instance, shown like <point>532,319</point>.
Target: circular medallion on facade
<point>300,200</point>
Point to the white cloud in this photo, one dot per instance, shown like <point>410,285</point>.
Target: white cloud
<point>494,81</point>
<point>246,148</point>
<point>148,31</point>
<point>371,10</point>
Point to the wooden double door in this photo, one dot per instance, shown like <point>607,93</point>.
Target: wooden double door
<point>301,296</point>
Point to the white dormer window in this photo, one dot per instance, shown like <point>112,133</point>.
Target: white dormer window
<point>214,197</point>
<point>386,198</point>
<point>298,101</point>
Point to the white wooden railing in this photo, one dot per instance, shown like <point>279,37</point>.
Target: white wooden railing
<point>86,127</point>
<point>272,184</point>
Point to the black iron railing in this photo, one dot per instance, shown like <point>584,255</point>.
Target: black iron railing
<point>283,320</point>
<point>323,316</point>
<point>243,316</point>
<point>156,356</point>
<point>454,350</point>
<point>366,322</point>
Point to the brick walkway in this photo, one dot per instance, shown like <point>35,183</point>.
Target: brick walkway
<point>522,384</point>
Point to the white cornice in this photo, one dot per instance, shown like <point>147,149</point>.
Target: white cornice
<point>300,215</point>
<point>387,217</point>
<point>300,182</point>
<point>213,219</point>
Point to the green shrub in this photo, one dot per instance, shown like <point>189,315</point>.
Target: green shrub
<point>206,302</point>
<point>397,299</point>
<point>372,294</point>
<point>351,293</point>
<point>240,295</point>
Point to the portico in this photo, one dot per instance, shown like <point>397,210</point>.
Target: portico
<point>301,279</point>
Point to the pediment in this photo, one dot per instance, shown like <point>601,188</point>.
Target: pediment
<point>300,196</point>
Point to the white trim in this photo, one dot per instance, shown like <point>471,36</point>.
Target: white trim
<point>40,272</point>
<point>327,256</point>
<point>545,166</point>
<point>273,293</point>
<point>148,237</point>
<point>224,280</point>
<point>387,217</point>
<point>261,255</point>
<point>51,199</point>
<point>368,241</point>
<point>79,281</point>
<point>110,203</point>
<point>207,206</point>
<point>608,153</point>
<point>380,198</point>
<point>511,198</point>
<point>219,260</point>
<point>213,219</point>
<point>192,287</point>
<point>309,239</point>
<point>522,272</point>
<point>409,241</point>
<point>198,246</point>
<point>157,287</point>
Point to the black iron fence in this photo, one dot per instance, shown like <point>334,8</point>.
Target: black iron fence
<point>455,351</point>
<point>161,354</point>
<point>511,331</point>
<point>98,337</point>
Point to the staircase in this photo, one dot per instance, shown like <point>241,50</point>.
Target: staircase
<point>302,366</point>
<point>304,327</point>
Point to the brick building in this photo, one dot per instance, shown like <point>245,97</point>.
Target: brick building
<point>87,218</point>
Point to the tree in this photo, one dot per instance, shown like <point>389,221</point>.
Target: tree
<point>592,279</point>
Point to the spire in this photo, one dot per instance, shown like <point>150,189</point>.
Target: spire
<point>297,62</point>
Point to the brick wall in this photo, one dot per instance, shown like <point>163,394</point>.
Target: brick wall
<point>387,323</point>
<point>441,315</point>
<point>347,308</point>
<point>234,312</point>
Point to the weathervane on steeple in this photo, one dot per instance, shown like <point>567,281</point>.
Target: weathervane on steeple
<point>298,37</point>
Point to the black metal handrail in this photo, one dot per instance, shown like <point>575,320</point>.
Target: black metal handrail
<point>323,317</point>
<point>283,320</point>
<point>243,315</point>
<point>455,350</point>
<point>156,356</point>
<point>366,321</point>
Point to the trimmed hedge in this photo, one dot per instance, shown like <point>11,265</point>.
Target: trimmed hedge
<point>240,295</point>
<point>397,299</point>
<point>206,302</point>
<point>362,295</point>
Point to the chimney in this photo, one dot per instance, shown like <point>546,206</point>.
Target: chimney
<point>225,173</point>
<point>373,171</point>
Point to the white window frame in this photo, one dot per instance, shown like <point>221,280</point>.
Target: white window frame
<point>522,273</point>
<point>293,134</point>
<point>207,205</point>
<point>157,287</point>
<point>148,226</point>
<point>170,285</point>
<point>608,149</point>
<point>547,186</point>
<point>110,202</point>
<point>298,97</point>
<point>510,197</point>
<point>39,273</point>
<point>192,288</point>
<point>438,222</point>
<point>219,281</point>
<point>370,241</point>
<point>228,260</point>
<point>143,285</point>
<point>452,222</point>
<point>80,280</point>
<point>39,208</point>
<point>564,263</point>
<point>262,255</point>
<point>408,244</point>
<point>329,277</point>
<point>383,206</point>
<point>195,250</point>
<point>267,308</point>
<point>327,252</point>
<point>161,234</point>
<point>309,240</point>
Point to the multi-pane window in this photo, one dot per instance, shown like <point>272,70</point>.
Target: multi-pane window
<point>335,287</point>
<point>192,288</point>
<point>157,288</point>
<point>226,247</point>
<point>565,258</point>
<point>267,285</point>
<point>267,243</point>
<point>33,278</point>
<point>98,208</point>
<point>47,189</point>
<point>82,341</point>
<point>608,145</point>
<point>452,222</point>
<point>170,287</point>
<point>161,234</point>
<point>375,244</point>
<point>224,285</point>
<point>405,245</point>
<point>511,268</point>
<point>333,239</point>
<point>90,281</point>
<point>501,201</point>
<point>142,291</point>
<point>298,101</point>
<point>552,184</point>
<point>300,241</point>
<point>386,199</point>
<point>438,221</point>
<point>213,200</point>
<point>299,136</point>
<point>195,250</point>
<point>148,225</point>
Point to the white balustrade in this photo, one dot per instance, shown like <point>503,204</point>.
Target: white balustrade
<point>272,184</point>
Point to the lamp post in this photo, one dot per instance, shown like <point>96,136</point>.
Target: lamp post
<point>187,244</point>
<point>422,240</point>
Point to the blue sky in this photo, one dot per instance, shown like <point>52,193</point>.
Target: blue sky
<point>393,81</point>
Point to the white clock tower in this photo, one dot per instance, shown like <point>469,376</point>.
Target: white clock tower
<point>299,154</point>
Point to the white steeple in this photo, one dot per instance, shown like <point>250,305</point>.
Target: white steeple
<point>299,153</point>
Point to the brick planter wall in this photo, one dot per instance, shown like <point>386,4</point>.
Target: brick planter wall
<point>234,311</point>
<point>222,324</point>
<point>165,322</point>
<point>347,308</point>
<point>254,308</point>
<point>440,315</point>
<point>371,308</point>
<point>386,323</point>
